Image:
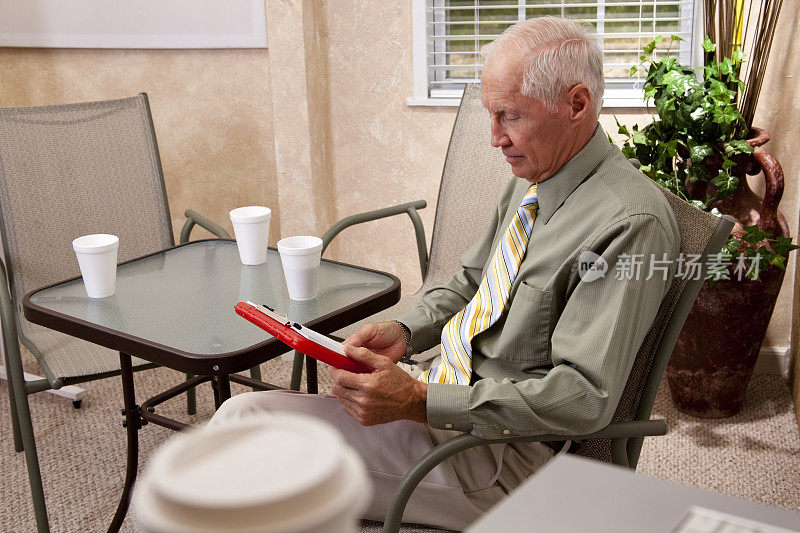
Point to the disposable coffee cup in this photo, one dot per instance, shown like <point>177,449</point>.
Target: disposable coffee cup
<point>97,258</point>
<point>275,474</point>
<point>251,227</point>
<point>300,257</point>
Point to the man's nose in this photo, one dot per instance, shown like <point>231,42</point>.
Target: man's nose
<point>498,137</point>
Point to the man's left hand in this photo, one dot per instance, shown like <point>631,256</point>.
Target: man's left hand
<point>384,395</point>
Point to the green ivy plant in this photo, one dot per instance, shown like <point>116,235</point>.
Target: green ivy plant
<point>698,137</point>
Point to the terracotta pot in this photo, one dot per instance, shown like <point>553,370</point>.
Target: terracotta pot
<point>717,349</point>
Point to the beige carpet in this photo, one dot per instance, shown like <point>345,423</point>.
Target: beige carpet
<point>755,455</point>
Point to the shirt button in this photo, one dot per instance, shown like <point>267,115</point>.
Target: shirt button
<point>506,432</point>
<point>448,426</point>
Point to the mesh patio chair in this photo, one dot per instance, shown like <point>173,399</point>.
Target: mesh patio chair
<point>67,171</point>
<point>621,441</point>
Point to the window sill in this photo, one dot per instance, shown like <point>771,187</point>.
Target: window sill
<point>608,103</point>
<point>433,102</point>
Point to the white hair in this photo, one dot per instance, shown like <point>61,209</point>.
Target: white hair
<point>560,53</point>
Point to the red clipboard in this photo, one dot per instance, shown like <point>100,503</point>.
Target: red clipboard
<point>288,333</point>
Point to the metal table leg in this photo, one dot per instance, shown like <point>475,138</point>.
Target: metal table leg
<point>297,371</point>
<point>133,421</point>
<point>311,375</point>
<point>222,389</point>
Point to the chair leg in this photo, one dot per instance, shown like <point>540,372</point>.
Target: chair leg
<point>191,398</point>
<point>12,400</point>
<point>297,371</point>
<point>255,373</point>
<point>23,417</point>
<point>18,446</point>
<point>619,452</point>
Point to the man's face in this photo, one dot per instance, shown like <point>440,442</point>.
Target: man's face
<point>534,142</point>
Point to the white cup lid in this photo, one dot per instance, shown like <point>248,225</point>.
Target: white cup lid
<point>227,467</point>
<point>266,473</point>
<point>300,245</point>
<point>95,244</point>
<point>251,214</point>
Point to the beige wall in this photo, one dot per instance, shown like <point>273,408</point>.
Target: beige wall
<point>384,152</point>
<point>211,110</point>
<point>219,116</point>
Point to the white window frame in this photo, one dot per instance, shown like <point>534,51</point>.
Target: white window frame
<point>618,94</point>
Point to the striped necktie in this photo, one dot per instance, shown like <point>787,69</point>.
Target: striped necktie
<point>489,302</point>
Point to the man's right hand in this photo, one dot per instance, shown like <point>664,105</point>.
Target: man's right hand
<point>384,338</point>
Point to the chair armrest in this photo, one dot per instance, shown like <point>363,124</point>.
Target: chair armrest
<point>193,218</point>
<point>394,514</point>
<point>410,208</point>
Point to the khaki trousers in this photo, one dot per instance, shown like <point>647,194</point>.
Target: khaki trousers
<point>451,496</point>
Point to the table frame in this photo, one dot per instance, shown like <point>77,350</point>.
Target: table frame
<point>219,369</point>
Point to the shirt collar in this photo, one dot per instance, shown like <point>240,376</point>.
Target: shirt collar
<point>556,189</point>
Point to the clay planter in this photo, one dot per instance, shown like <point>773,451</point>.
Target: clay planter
<point>717,349</point>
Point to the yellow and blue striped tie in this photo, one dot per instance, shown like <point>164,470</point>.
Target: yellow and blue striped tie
<point>489,302</point>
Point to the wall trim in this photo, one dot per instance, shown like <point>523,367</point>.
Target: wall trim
<point>773,360</point>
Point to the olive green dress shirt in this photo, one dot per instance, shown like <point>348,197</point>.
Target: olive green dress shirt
<point>559,357</point>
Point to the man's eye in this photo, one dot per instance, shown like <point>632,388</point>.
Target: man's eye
<point>511,117</point>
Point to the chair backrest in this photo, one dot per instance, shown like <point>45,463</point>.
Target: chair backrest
<point>72,170</point>
<point>701,234</point>
<point>473,176</point>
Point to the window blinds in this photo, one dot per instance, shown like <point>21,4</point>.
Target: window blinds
<point>457,29</point>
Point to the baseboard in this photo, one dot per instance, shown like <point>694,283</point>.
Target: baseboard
<point>773,360</point>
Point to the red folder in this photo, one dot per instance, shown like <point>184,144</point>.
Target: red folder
<point>289,333</point>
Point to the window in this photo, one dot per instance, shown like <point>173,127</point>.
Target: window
<point>448,36</point>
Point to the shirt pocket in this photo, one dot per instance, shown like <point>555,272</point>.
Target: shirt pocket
<point>525,337</point>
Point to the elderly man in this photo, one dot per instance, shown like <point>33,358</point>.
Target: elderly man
<point>529,342</point>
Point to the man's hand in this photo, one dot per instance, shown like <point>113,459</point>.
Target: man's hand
<point>383,338</point>
<point>385,395</point>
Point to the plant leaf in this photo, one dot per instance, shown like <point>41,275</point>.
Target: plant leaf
<point>699,152</point>
<point>725,183</point>
<point>622,129</point>
<point>738,146</point>
<point>649,47</point>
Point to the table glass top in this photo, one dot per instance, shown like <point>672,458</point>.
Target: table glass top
<point>183,298</point>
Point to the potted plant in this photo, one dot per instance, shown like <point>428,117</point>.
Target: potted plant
<point>702,148</point>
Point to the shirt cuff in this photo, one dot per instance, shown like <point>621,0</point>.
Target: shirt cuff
<point>424,334</point>
<point>447,406</point>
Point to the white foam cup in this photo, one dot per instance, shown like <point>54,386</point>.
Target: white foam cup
<point>300,257</point>
<point>251,227</point>
<point>277,474</point>
<point>97,258</point>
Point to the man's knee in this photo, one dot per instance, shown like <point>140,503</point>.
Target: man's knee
<point>264,402</point>
<point>240,406</point>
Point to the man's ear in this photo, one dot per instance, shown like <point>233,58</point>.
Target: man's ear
<point>580,102</point>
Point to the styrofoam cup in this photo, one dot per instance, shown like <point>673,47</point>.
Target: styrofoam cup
<point>97,258</point>
<point>283,473</point>
<point>251,227</point>
<point>300,257</point>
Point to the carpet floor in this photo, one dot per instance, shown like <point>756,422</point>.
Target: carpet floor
<point>754,455</point>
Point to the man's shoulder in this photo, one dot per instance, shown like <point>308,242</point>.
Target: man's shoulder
<point>618,188</point>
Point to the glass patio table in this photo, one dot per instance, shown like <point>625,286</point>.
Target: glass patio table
<point>175,308</point>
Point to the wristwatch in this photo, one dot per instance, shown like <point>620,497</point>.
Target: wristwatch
<point>409,350</point>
